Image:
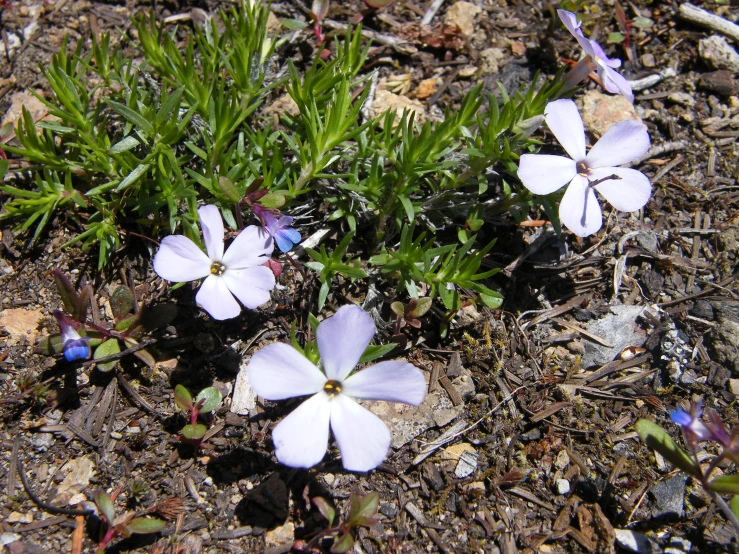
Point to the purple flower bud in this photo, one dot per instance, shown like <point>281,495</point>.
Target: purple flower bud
<point>695,429</point>
<point>75,346</point>
<point>279,229</point>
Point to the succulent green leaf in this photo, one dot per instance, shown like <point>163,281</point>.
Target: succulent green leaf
<point>66,291</point>
<point>143,525</point>
<point>210,397</point>
<point>363,509</point>
<point>105,505</point>
<point>128,143</point>
<point>372,352</point>
<point>194,432</point>
<point>398,309</point>
<point>273,200</point>
<point>293,24</point>
<point>107,348</point>
<point>121,302</point>
<point>734,505</point>
<point>183,398</point>
<point>728,484</point>
<point>228,188</point>
<point>343,544</point>
<point>325,508</point>
<point>659,440</point>
<point>423,305</point>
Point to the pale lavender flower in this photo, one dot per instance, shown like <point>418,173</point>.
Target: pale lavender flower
<point>612,80</point>
<point>238,272</point>
<point>626,189</point>
<point>279,371</point>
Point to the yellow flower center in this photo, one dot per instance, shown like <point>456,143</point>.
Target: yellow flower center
<point>217,268</point>
<point>332,388</point>
<point>582,169</point>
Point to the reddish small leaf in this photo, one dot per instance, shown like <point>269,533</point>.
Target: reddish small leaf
<point>182,398</point>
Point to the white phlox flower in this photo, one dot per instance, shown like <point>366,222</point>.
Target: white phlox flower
<point>612,80</point>
<point>626,189</point>
<point>279,371</point>
<point>237,272</point>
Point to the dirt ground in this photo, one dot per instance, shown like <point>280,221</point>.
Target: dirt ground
<point>531,406</point>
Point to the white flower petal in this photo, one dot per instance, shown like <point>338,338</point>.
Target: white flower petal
<point>179,259</point>
<point>614,82</point>
<point>579,210</point>
<point>278,371</point>
<point>393,381</point>
<point>301,438</point>
<point>251,248</point>
<point>342,339</point>
<point>628,194</point>
<point>250,285</point>
<point>570,21</point>
<point>601,57</point>
<point>565,122</point>
<point>362,437</point>
<point>624,142</point>
<point>212,225</point>
<point>215,298</point>
<point>543,174</point>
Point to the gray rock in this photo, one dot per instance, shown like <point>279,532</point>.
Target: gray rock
<point>669,496</point>
<point>466,465</point>
<point>42,441</point>
<point>648,240</point>
<point>678,545</point>
<point>407,422</point>
<point>618,328</point>
<point>718,53</point>
<point>724,338</point>
<point>636,542</point>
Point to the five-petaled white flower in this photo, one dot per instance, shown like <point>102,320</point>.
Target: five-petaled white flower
<point>612,80</point>
<point>626,189</point>
<point>279,371</point>
<point>237,272</point>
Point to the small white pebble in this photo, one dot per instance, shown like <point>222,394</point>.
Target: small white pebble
<point>563,486</point>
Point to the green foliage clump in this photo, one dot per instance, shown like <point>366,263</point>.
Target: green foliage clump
<point>138,146</point>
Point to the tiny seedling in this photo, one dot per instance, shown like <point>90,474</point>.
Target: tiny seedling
<point>361,514</point>
<point>411,313</point>
<point>124,525</point>
<point>205,402</point>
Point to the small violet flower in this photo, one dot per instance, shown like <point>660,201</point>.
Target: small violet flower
<point>279,371</point>
<point>626,189</point>
<point>695,429</point>
<point>75,347</point>
<point>238,272</point>
<point>612,80</point>
<point>279,229</point>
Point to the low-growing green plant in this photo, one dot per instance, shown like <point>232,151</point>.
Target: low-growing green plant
<point>205,402</point>
<point>696,430</point>
<point>124,525</point>
<point>362,510</point>
<point>80,338</point>
<point>137,146</point>
<point>411,313</point>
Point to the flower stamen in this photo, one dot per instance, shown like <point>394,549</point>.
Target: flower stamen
<point>582,169</point>
<point>217,269</point>
<point>332,388</point>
